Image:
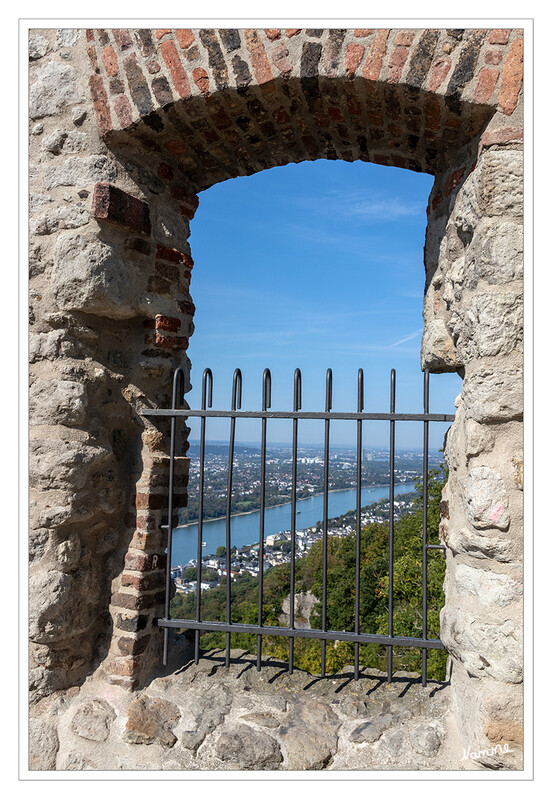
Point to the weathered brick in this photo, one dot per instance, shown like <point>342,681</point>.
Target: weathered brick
<point>174,256</point>
<point>138,86</point>
<point>396,62</point>
<point>134,601</point>
<point>128,683</point>
<point>153,66</point>
<point>131,624</point>
<point>164,342</point>
<point>109,58</point>
<point>170,323</point>
<point>259,59</point>
<point>404,38</point>
<point>511,78</point>
<point>123,109</point>
<point>292,32</point>
<point>486,82</point>
<point>273,33</point>
<point>184,37</point>
<point>150,501</point>
<point>201,80</point>
<point>120,208</point>
<point>172,60</point>
<point>145,582</point>
<point>101,106</point>
<point>376,51</point>
<point>122,37</point>
<point>145,42</point>
<point>162,91</point>
<point>133,646</point>
<point>353,57</point>
<point>93,58</point>
<point>438,74</point>
<point>123,667</point>
<point>362,33</point>
<point>499,36</point>
<point>162,32</point>
<point>464,69</point>
<point>281,61</point>
<point>165,171</point>
<point>217,61</point>
<point>230,38</point>
<point>310,59</point>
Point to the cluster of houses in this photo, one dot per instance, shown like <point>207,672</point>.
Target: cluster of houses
<point>277,550</point>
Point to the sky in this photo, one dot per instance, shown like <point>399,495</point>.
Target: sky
<point>314,265</point>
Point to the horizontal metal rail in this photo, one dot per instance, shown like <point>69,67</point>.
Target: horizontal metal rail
<point>333,635</point>
<point>370,417</point>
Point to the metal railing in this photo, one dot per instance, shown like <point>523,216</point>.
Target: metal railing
<point>357,637</point>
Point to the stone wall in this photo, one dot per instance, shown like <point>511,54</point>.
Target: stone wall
<point>126,127</point>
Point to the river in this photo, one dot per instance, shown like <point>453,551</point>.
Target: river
<point>244,527</point>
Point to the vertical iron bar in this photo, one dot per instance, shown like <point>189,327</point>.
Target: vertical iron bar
<point>267,389</point>
<point>178,376</point>
<point>391,523</point>
<point>360,408</point>
<point>296,407</point>
<point>236,403</point>
<point>424,524</point>
<point>325,521</point>
<point>206,397</point>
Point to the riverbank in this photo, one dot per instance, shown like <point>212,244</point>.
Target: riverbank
<point>283,504</point>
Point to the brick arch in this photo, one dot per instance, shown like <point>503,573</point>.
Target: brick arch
<point>216,104</point>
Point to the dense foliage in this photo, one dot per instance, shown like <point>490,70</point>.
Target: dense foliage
<point>374,582</point>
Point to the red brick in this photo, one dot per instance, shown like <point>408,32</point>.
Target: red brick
<point>169,323</point>
<point>165,343</point>
<point>180,79</point>
<point>123,109</point>
<point>485,85</point>
<point>184,37</point>
<point>273,33</point>
<point>361,33</point>
<point>134,601</point>
<point>201,80</point>
<point>500,136</point>
<point>292,32</point>
<point>162,32</point>
<point>353,57</point>
<point>110,62</point>
<point>436,200</point>
<point>432,111</point>
<point>259,60</point>
<point>99,99</point>
<point>512,75</point>
<point>186,307</point>
<point>404,38</point>
<point>173,256</point>
<point>153,67</point>
<point>145,582</point>
<point>376,52</point>
<point>120,208</point>
<point>396,63</point>
<point>93,58</point>
<point>499,36</point>
<point>122,37</point>
<point>148,523</point>
<point>439,72</point>
<point>89,35</point>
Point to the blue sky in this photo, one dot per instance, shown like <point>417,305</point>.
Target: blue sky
<point>314,265</point>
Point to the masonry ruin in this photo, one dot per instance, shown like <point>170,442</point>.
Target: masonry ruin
<point>127,128</point>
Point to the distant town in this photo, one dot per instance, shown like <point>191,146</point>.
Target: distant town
<point>246,478</point>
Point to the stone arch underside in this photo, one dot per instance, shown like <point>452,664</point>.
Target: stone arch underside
<point>177,111</point>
